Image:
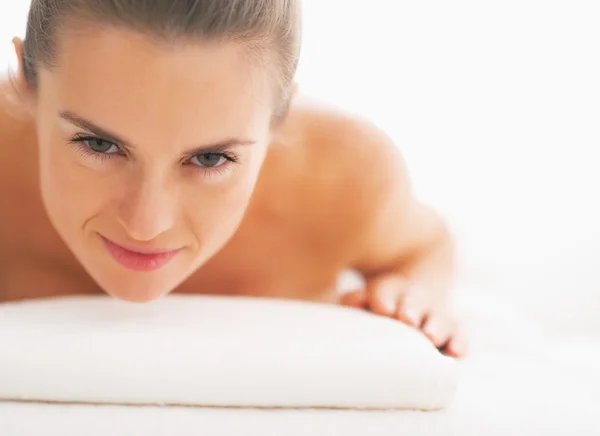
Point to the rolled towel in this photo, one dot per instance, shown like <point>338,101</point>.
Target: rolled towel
<point>217,352</point>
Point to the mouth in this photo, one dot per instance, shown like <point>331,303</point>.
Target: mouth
<point>139,259</point>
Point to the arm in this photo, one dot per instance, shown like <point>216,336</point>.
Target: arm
<point>404,237</point>
<point>404,248</point>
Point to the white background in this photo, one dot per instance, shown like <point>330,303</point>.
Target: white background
<point>496,107</point>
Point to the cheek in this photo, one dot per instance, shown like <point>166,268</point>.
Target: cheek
<point>71,192</point>
<point>238,191</point>
<point>218,210</point>
<point>226,203</point>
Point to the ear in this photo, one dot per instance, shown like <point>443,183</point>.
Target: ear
<point>279,119</point>
<point>19,80</point>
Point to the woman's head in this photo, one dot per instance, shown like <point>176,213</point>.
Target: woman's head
<point>153,120</point>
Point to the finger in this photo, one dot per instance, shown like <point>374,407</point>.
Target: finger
<point>412,309</point>
<point>438,328</point>
<point>383,294</point>
<point>457,346</point>
<point>357,299</point>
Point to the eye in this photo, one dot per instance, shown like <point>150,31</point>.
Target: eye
<point>209,160</point>
<point>99,145</point>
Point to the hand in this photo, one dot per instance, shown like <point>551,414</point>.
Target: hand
<point>427,310</point>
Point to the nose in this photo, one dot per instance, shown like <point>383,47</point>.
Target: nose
<point>148,209</point>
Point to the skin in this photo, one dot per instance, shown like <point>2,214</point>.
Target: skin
<point>321,192</point>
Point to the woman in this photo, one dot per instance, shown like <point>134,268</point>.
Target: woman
<point>158,147</point>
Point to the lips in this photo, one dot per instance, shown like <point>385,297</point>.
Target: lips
<point>139,259</point>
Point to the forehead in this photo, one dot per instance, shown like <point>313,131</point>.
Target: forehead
<point>130,82</point>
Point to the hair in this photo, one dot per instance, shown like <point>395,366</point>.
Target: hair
<point>265,27</point>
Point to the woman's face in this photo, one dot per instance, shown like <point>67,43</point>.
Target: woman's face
<point>148,153</point>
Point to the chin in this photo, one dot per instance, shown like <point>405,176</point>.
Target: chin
<point>136,289</point>
<point>137,296</point>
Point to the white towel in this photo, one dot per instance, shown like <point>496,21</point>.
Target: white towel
<point>217,351</point>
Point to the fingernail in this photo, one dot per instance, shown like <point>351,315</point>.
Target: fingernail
<point>433,331</point>
<point>429,329</point>
<point>389,305</point>
<point>412,315</point>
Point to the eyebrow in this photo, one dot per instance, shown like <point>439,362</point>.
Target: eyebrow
<point>103,133</point>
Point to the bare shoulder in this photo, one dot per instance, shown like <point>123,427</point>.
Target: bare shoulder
<point>334,129</point>
<point>353,174</point>
<point>357,185</point>
<point>18,179</point>
<point>349,152</point>
<point>16,124</point>
<point>349,147</point>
